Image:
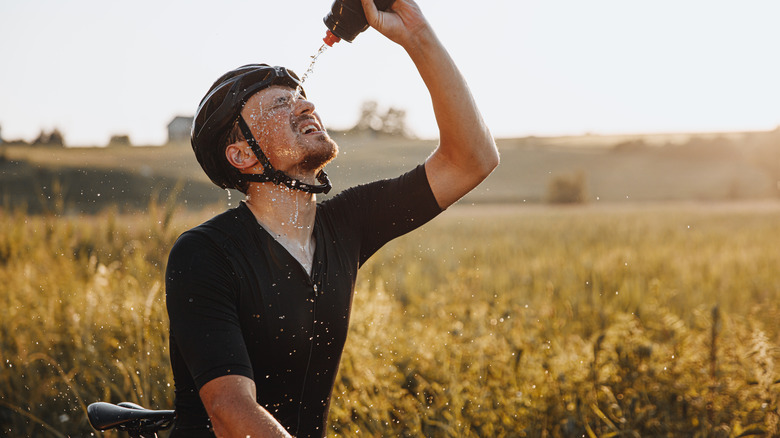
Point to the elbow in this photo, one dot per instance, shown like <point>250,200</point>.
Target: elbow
<point>495,159</point>
<point>475,159</point>
<point>486,153</point>
<point>490,159</point>
<point>481,161</point>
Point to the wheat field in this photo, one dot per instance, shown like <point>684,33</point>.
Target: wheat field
<point>491,321</point>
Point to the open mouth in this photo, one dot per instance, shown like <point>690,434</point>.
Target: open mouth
<point>309,127</point>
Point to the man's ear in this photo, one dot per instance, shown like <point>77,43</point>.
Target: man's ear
<point>240,155</point>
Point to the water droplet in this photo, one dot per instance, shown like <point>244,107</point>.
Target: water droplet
<point>309,71</point>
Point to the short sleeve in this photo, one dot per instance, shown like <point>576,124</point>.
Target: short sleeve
<point>201,290</point>
<point>386,209</point>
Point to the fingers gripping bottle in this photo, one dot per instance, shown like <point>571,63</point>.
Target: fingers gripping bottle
<point>346,19</point>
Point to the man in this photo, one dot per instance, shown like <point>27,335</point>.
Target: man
<point>259,297</point>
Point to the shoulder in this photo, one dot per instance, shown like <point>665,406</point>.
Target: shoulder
<point>383,210</point>
<point>226,226</point>
<point>412,183</point>
<point>203,260</point>
<point>217,237</point>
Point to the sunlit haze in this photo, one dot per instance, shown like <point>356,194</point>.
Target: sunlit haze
<point>94,68</point>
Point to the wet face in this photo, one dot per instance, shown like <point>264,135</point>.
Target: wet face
<point>289,131</point>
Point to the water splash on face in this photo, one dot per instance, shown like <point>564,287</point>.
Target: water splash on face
<point>309,70</point>
<point>297,210</point>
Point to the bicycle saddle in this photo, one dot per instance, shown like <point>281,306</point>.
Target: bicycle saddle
<point>127,416</point>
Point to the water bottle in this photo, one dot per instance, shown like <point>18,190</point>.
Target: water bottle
<point>346,19</point>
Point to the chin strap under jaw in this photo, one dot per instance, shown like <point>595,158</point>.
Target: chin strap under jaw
<point>275,176</point>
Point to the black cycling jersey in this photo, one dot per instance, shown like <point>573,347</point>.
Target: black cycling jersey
<point>239,303</point>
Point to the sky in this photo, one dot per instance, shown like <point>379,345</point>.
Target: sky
<point>97,68</point>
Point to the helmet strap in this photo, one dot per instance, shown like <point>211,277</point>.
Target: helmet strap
<point>275,176</point>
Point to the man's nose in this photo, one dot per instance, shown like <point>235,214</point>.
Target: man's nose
<point>303,106</point>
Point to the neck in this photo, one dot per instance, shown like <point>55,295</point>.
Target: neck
<point>286,213</point>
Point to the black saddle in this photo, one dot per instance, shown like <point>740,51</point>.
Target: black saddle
<point>129,417</point>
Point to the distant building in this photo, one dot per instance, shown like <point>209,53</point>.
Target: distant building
<point>179,129</point>
<point>119,141</point>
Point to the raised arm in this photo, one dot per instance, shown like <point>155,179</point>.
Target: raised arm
<point>467,152</point>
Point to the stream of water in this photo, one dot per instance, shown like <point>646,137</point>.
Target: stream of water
<point>309,70</point>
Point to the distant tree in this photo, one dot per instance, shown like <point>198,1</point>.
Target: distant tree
<point>53,138</point>
<point>43,138</point>
<point>369,117</point>
<point>56,138</point>
<point>630,146</point>
<point>16,142</point>
<point>567,189</point>
<point>392,122</point>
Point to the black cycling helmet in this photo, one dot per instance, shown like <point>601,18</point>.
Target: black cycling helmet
<point>221,108</point>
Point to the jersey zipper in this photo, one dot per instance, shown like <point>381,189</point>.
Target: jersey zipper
<point>315,289</point>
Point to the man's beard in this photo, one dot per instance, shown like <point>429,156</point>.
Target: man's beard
<point>317,157</point>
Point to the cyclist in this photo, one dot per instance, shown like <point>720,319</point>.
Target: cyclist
<point>259,296</point>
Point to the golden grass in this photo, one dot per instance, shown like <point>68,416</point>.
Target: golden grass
<point>490,321</point>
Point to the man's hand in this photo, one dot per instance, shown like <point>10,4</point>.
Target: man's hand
<point>467,153</point>
<point>401,23</point>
